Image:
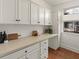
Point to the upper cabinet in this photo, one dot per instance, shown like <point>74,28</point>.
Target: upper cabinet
<point>23,12</point>
<point>34,13</point>
<point>41,16</point>
<point>15,11</point>
<point>37,14</point>
<point>8,11</point>
<point>48,17</point>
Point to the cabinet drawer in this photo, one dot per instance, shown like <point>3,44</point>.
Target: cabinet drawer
<point>34,54</point>
<point>23,52</point>
<point>32,48</point>
<point>44,44</point>
<point>14,55</point>
<point>44,49</point>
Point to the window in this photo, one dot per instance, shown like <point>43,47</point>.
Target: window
<point>72,26</point>
<point>71,21</point>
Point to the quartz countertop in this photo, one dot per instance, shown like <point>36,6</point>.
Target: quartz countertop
<point>16,45</point>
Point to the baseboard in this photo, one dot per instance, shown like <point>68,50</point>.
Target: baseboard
<point>53,49</point>
<point>70,48</point>
<point>63,49</point>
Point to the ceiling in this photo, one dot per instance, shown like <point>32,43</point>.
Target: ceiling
<point>56,2</point>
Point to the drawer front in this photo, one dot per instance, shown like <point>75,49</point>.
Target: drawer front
<point>44,49</point>
<point>34,54</point>
<point>15,55</point>
<point>32,48</point>
<point>22,52</point>
<point>44,43</point>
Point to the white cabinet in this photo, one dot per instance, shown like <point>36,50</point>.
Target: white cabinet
<point>48,17</point>
<point>44,49</point>
<point>35,54</point>
<point>37,51</point>
<point>54,43</point>
<point>32,52</point>
<point>41,16</point>
<point>15,11</point>
<point>23,12</point>
<point>37,14</point>
<point>34,13</point>
<point>16,55</point>
<point>8,11</point>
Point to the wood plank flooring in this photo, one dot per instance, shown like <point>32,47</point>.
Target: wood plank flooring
<point>62,53</point>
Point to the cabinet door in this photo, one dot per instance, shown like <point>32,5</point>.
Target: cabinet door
<point>44,49</point>
<point>34,54</point>
<point>17,55</point>
<point>47,17</point>
<point>41,16</point>
<point>24,12</point>
<point>8,11</point>
<point>34,13</point>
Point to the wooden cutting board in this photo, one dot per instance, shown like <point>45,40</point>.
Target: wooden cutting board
<point>13,36</point>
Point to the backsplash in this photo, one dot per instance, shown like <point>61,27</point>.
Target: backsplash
<point>23,30</point>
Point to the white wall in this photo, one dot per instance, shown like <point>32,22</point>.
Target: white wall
<point>68,40</point>
<point>24,30</point>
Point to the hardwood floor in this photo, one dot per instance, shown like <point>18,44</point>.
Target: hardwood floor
<point>62,54</point>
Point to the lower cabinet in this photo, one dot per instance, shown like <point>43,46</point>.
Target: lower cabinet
<point>44,49</point>
<point>34,54</point>
<point>17,55</point>
<point>37,51</point>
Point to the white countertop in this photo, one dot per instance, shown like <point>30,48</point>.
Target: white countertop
<point>15,45</point>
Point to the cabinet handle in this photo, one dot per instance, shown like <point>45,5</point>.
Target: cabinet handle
<point>45,57</point>
<point>38,21</point>
<point>25,51</point>
<point>45,49</point>
<point>18,20</point>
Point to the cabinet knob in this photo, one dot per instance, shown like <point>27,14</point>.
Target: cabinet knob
<point>38,21</point>
<point>17,19</point>
<point>25,51</point>
<point>45,49</point>
<point>45,57</point>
